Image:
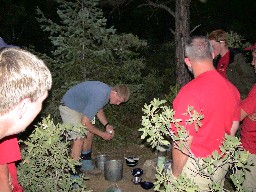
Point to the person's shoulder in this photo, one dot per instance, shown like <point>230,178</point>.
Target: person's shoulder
<point>95,83</point>
<point>237,53</point>
<point>189,87</point>
<point>236,50</point>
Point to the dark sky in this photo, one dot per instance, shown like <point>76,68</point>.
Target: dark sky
<point>19,26</point>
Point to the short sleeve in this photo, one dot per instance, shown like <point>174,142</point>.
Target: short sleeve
<point>9,150</point>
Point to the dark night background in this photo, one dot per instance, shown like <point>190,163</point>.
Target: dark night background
<point>19,26</point>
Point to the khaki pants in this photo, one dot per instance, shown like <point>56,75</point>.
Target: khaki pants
<point>250,174</point>
<point>191,171</point>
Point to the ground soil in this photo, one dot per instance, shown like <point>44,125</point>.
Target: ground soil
<point>100,184</point>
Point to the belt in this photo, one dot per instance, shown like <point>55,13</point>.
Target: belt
<point>62,104</point>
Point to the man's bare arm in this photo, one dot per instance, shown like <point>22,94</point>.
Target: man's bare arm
<point>179,158</point>
<point>234,128</point>
<point>101,116</point>
<point>4,179</point>
<point>243,115</point>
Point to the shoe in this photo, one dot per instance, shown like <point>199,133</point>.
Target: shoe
<point>74,184</point>
<point>87,165</point>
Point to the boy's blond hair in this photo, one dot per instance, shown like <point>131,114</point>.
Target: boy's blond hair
<point>22,75</point>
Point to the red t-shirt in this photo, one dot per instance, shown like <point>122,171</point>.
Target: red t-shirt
<point>223,64</point>
<point>248,131</point>
<point>218,100</point>
<point>9,153</point>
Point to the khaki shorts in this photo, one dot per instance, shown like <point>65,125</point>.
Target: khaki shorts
<point>250,174</point>
<point>70,116</point>
<point>191,171</point>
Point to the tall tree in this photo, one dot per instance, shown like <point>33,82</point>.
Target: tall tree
<point>86,49</point>
<point>180,11</point>
<point>182,28</point>
<point>181,32</point>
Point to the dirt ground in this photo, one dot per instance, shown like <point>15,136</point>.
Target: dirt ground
<point>100,184</point>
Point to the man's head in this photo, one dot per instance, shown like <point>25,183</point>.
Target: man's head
<point>198,48</point>
<point>25,81</point>
<point>219,42</point>
<point>198,54</point>
<point>119,94</point>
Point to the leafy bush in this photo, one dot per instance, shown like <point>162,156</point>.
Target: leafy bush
<point>46,165</point>
<point>236,41</point>
<point>156,128</point>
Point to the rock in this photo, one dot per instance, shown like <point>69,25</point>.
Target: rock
<point>149,169</point>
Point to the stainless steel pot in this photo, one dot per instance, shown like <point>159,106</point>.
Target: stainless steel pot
<point>113,170</point>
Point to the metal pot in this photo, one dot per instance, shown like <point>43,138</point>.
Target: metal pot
<point>100,161</point>
<point>113,170</point>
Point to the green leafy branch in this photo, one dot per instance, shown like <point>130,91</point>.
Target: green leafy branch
<point>157,123</point>
<point>47,164</point>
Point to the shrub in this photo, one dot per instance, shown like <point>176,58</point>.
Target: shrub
<point>46,165</point>
<point>156,130</point>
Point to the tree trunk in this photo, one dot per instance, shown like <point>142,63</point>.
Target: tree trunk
<point>182,28</point>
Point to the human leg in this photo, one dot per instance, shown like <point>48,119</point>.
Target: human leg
<point>72,117</point>
<point>76,148</point>
<point>86,153</point>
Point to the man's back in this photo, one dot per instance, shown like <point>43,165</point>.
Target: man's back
<point>87,97</point>
<point>218,100</point>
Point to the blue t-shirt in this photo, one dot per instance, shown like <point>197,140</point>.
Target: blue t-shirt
<point>87,97</point>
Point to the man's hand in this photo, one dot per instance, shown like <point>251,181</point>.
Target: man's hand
<point>111,130</point>
<point>106,136</point>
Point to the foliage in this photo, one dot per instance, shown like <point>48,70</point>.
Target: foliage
<point>157,121</point>
<point>85,49</point>
<point>46,165</point>
<point>236,40</point>
<point>161,65</point>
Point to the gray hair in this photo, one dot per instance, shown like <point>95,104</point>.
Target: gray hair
<point>198,48</point>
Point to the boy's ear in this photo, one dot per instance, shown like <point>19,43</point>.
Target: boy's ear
<point>213,55</point>
<point>23,107</point>
<point>187,61</point>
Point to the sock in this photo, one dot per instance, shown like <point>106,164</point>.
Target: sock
<point>86,155</point>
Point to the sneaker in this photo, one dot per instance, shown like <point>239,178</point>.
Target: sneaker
<point>87,165</point>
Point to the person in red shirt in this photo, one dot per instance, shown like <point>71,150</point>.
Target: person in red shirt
<point>10,153</point>
<point>248,137</point>
<point>253,50</point>
<point>230,63</point>
<point>213,96</point>
<point>25,82</point>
